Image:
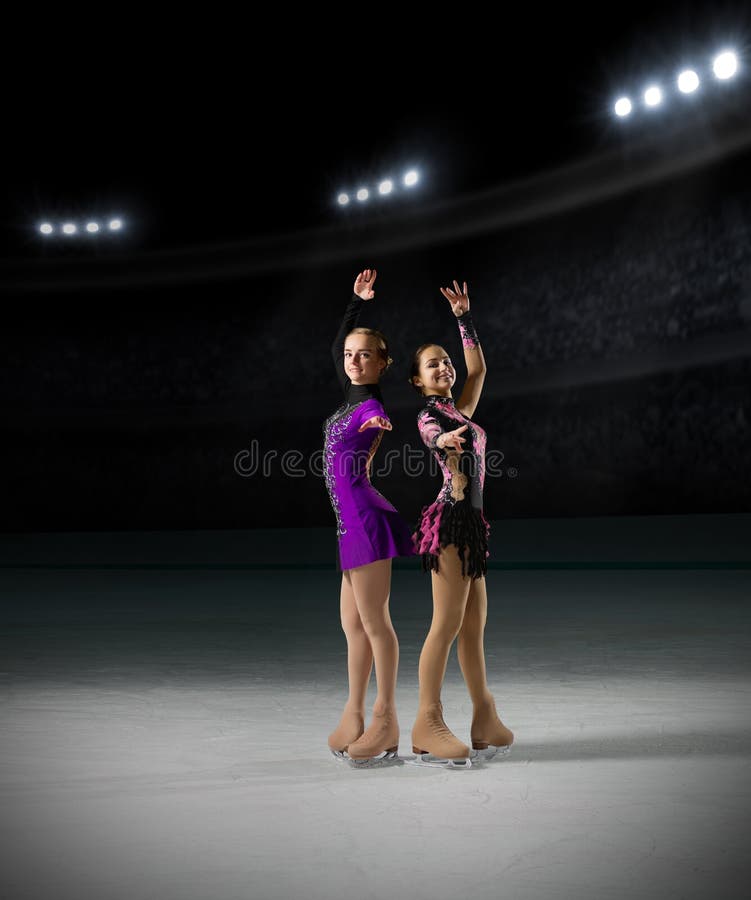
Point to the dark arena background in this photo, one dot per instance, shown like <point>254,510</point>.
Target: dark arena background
<point>172,653</point>
<point>616,335</point>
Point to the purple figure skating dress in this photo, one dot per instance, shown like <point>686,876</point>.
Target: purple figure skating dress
<point>368,526</point>
<point>456,517</point>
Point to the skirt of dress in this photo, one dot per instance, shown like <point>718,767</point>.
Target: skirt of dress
<point>374,530</point>
<point>460,524</point>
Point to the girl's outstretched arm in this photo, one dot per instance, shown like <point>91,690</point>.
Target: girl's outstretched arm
<point>362,291</point>
<point>473,356</point>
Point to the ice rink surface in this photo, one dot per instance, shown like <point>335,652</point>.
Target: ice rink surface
<point>163,734</point>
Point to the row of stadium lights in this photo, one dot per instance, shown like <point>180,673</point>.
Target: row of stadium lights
<point>384,188</point>
<point>72,228</point>
<point>725,65</point>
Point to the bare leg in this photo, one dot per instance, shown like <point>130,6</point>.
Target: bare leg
<point>486,727</point>
<point>371,585</point>
<point>469,644</point>
<point>450,591</point>
<point>359,666</point>
<point>359,650</point>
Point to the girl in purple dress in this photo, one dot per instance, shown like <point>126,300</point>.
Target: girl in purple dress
<point>370,532</point>
<point>452,539</point>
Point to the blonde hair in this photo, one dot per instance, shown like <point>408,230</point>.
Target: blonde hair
<point>381,345</point>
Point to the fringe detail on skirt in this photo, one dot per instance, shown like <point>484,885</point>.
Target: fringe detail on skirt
<point>460,524</point>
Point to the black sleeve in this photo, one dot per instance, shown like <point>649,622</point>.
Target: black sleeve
<point>467,331</point>
<point>351,315</point>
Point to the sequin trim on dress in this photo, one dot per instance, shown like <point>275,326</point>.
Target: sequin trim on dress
<point>333,429</point>
<point>467,331</point>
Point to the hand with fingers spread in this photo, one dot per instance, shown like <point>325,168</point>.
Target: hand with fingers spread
<point>364,284</point>
<point>458,298</point>
<point>376,422</point>
<point>452,439</point>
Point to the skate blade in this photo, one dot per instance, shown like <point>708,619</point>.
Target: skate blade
<point>388,757</point>
<point>438,762</point>
<point>339,754</point>
<point>491,752</point>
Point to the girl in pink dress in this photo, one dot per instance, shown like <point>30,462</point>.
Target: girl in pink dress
<point>452,539</point>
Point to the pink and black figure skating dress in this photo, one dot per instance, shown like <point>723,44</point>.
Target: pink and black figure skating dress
<point>456,517</point>
<point>368,527</point>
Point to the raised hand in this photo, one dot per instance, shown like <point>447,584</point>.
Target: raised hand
<point>458,298</point>
<point>377,422</point>
<point>364,284</point>
<point>452,439</point>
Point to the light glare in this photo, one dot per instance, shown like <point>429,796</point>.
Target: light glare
<point>115,224</point>
<point>386,186</point>
<point>92,227</point>
<point>69,228</point>
<point>652,96</point>
<point>725,64</point>
<point>622,106</point>
<point>343,199</point>
<point>410,178</point>
<point>688,81</point>
<point>363,194</point>
<point>45,228</point>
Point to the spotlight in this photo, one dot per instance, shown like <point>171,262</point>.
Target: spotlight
<point>622,107</point>
<point>386,186</point>
<point>69,228</point>
<point>46,228</point>
<point>688,81</point>
<point>115,224</point>
<point>363,194</point>
<point>410,178</point>
<point>653,96</point>
<point>725,64</point>
<point>92,227</point>
<point>342,199</point>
